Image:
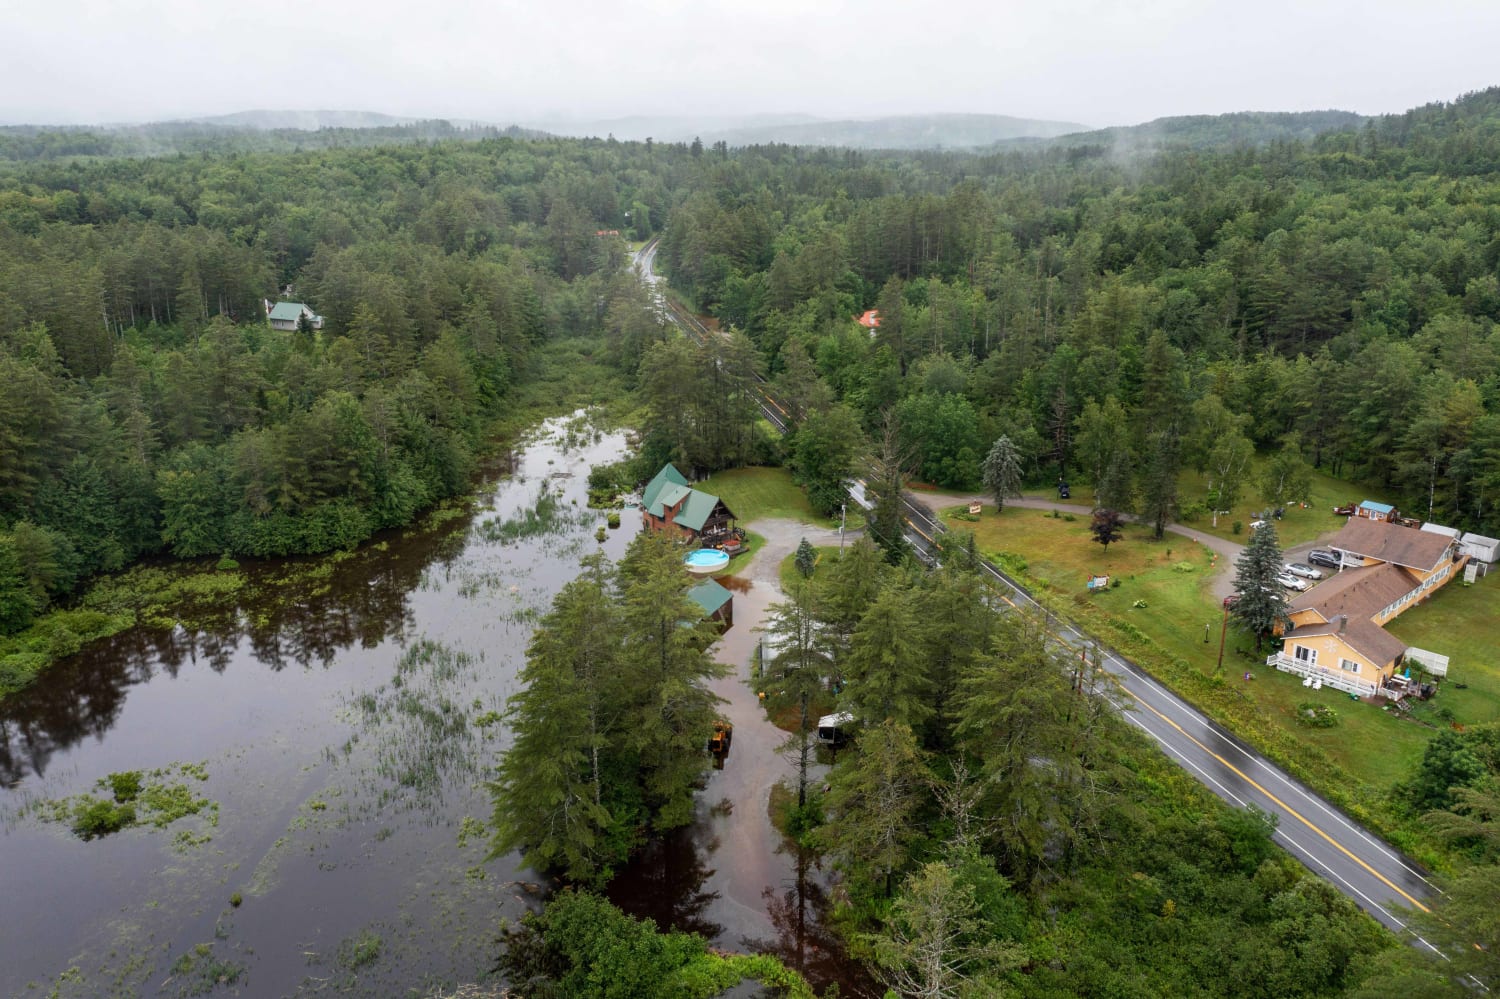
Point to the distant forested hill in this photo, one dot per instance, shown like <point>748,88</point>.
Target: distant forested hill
<point>1245,128</point>
<point>928,131</point>
<point>32,142</point>
<point>309,121</point>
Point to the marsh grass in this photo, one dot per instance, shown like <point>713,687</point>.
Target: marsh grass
<point>548,516</point>
<point>200,971</point>
<point>128,798</point>
<point>419,725</point>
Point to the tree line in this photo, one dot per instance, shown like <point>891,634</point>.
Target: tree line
<point>1332,302</point>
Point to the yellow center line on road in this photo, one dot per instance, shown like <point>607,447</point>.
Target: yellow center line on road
<point>1242,775</point>
<point>1289,810</point>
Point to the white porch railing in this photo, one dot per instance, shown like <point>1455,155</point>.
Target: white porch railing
<point>1337,679</point>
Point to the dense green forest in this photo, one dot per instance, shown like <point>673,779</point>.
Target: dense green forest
<point>149,406</point>
<point>1329,302</point>
<point>1336,299</point>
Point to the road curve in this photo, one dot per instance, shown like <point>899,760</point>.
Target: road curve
<point>1369,871</point>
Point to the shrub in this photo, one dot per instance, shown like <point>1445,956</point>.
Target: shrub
<point>1315,715</point>
<point>96,817</point>
<point>614,521</point>
<point>1237,527</point>
<point>126,785</point>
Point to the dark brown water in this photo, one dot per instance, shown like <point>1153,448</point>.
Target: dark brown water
<point>342,719</point>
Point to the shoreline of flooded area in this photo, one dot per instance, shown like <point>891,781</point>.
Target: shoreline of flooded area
<point>338,728</point>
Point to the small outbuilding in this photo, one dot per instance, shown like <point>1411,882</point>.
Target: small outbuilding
<point>1451,533</point>
<point>1370,510</point>
<point>716,602</point>
<point>1480,548</point>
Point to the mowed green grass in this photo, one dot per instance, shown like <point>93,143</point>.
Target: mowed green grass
<point>1174,579</point>
<point>757,492</point>
<point>1298,526</point>
<point>1462,623</point>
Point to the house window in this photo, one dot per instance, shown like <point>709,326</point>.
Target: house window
<point>1349,665</point>
<point>1304,655</point>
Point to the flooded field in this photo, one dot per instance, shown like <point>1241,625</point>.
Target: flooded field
<point>325,747</point>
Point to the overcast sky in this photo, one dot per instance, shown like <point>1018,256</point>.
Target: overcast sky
<point>1098,62</point>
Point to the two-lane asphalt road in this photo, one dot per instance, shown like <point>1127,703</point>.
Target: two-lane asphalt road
<point>1366,869</point>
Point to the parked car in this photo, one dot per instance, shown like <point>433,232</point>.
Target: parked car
<point>1291,582</point>
<point>1256,525</point>
<point>1327,559</point>
<point>1304,570</point>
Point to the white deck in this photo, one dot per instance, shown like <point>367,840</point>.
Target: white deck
<point>1337,679</point>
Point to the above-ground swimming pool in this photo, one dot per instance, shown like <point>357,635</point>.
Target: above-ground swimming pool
<point>705,561</point>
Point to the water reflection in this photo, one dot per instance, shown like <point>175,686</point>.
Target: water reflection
<point>803,939</point>
<point>288,619</point>
<point>666,883</point>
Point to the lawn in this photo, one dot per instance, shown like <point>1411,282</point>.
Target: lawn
<point>756,492</point>
<point>1177,625</point>
<point>789,574</point>
<point>1460,622</point>
<point>1298,526</point>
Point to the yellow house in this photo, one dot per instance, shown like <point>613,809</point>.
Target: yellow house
<point>1336,636</point>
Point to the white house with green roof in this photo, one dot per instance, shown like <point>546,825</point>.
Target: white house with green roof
<point>284,315</point>
<point>670,504</point>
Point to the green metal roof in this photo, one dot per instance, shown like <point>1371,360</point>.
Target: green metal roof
<point>695,511</point>
<point>710,596</point>
<point>288,311</point>
<point>671,494</point>
<point>669,475</point>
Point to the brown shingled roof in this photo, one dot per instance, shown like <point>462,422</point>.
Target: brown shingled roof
<point>1358,593</point>
<point>1360,634</point>
<point>1420,550</point>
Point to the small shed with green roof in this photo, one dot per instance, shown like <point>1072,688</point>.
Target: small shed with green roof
<point>716,601</point>
<point>670,504</point>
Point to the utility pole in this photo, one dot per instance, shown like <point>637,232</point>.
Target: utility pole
<point>1223,630</point>
<point>843,512</point>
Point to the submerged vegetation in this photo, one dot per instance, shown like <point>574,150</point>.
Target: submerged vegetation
<point>155,798</point>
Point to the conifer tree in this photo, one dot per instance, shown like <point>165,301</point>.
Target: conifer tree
<point>802,658</point>
<point>551,797</point>
<point>872,802</point>
<point>1261,602</point>
<point>886,670</point>
<point>1002,471</point>
<point>665,664</point>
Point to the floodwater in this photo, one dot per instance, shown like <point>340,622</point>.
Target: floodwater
<point>344,715</point>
